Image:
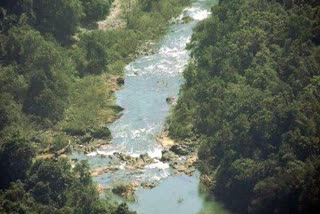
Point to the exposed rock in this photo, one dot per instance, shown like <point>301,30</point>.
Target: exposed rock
<point>114,19</point>
<point>145,158</point>
<point>183,20</point>
<point>101,170</point>
<point>145,49</point>
<point>183,168</point>
<point>120,80</point>
<point>125,190</point>
<point>206,180</point>
<point>149,185</point>
<point>64,149</point>
<point>135,164</point>
<point>180,168</point>
<point>85,139</point>
<point>120,156</point>
<point>186,19</point>
<point>45,156</point>
<point>101,188</point>
<point>171,100</point>
<point>164,140</point>
<point>179,149</point>
<point>192,159</point>
<point>168,156</point>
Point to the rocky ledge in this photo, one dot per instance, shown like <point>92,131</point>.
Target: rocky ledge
<point>181,155</point>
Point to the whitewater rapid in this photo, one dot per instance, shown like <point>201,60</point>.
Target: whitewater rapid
<point>149,80</point>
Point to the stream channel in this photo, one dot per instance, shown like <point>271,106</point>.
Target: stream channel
<point>149,80</point>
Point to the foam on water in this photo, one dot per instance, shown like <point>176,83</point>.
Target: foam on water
<point>92,154</point>
<point>158,164</point>
<point>149,81</point>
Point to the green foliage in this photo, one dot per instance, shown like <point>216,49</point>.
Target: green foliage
<point>90,107</point>
<point>167,8</point>
<point>96,45</point>
<point>60,141</point>
<point>61,17</point>
<point>123,209</point>
<point>95,10</point>
<point>17,7</point>
<point>150,17</point>
<point>39,76</point>
<point>103,48</point>
<point>54,187</point>
<point>15,159</point>
<point>46,87</point>
<point>15,199</point>
<point>251,94</point>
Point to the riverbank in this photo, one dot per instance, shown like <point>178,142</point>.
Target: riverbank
<point>135,161</point>
<point>240,91</point>
<point>92,105</point>
<point>57,96</point>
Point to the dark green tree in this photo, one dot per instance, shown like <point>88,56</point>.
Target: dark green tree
<point>15,160</point>
<point>95,10</point>
<point>60,18</point>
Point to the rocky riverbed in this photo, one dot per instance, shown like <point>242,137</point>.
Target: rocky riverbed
<point>139,161</point>
<point>181,157</point>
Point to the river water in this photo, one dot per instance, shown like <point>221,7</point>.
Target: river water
<point>149,80</point>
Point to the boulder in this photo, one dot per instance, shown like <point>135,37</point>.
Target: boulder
<point>125,190</point>
<point>168,155</point>
<point>145,157</point>
<point>170,100</point>
<point>120,80</point>
<point>186,19</point>
<point>148,185</point>
<point>101,133</point>
<point>179,149</point>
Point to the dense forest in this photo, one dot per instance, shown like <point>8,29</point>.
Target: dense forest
<point>55,71</point>
<point>252,97</point>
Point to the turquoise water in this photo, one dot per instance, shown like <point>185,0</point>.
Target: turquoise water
<point>149,80</point>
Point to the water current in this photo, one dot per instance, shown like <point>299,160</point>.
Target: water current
<point>149,80</point>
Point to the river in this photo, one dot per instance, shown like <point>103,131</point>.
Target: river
<point>149,80</point>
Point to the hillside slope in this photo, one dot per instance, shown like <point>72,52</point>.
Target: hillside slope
<point>251,95</point>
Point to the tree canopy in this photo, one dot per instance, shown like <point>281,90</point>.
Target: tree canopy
<point>252,97</point>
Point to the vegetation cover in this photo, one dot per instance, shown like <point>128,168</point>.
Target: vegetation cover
<point>56,83</point>
<point>251,96</point>
<point>47,186</point>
